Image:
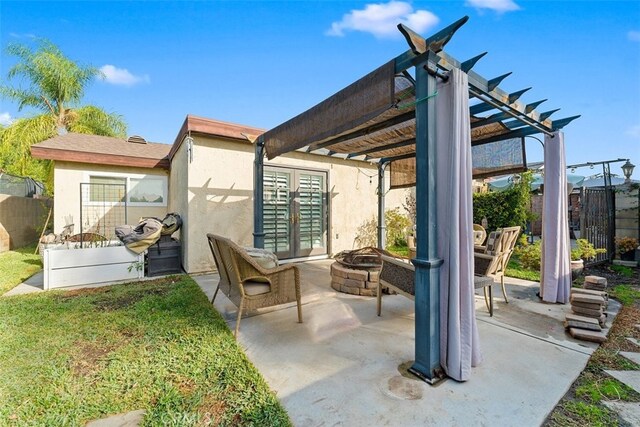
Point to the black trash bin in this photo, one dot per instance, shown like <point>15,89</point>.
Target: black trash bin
<point>164,257</point>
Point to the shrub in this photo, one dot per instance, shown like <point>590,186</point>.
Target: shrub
<point>506,208</point>
<point>625,244</point>
<point>585,250</point>
<point>396,225</point>
<point>529,254</point>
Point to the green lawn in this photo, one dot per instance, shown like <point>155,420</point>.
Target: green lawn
<point>70,357</point>
<point>16,266</point>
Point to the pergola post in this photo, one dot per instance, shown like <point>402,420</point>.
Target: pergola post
<point>427,264</point>
<point>258,194</point>
<point>382,229</point>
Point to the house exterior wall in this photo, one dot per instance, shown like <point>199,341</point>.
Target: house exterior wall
<point>67,179</point>
<point>179,197</point>
<point>220,195</point>
<point>20,220</point>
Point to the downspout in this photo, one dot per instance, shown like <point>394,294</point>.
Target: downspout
<point>382,229</point>
<point>258,194</point>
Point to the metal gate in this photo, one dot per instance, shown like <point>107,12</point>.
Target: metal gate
<point>597,222</point>
<point>102,208</point>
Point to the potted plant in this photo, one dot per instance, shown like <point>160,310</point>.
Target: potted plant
<point>626,247</point>
<point>583,251</point>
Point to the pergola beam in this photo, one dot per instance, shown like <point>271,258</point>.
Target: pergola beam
<point>405,117</point>
<point>378,148</point>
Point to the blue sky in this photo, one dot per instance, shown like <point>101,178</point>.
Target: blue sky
<point>260,63</point>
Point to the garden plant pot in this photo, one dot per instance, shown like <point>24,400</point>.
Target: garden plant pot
<point>576,269</point>
<point>628,256</point>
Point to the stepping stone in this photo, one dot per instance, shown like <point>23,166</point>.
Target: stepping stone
<point>630,378</point>
<point>589,292</point>
<point>590,306</point>
<point>629,355</point>
<point>633,341</point>
<point>596,280</point>
<point>628,411</point>
<point>587,299</point>
<point>128,419</point>
<point>596,314</point>
<point>583,334</point>
<point>582,322</point>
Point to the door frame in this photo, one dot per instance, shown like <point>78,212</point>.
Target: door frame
<point>327,197</point>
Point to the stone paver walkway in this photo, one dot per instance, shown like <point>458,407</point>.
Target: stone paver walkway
<point>628,411</point>
<point>129,419</point>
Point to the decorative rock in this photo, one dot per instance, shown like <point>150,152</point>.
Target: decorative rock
<point>582,322</point>
<point>585,335</point>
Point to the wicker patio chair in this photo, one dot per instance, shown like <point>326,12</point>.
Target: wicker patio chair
<point>492,260</point>
<point>249,285</point>
<point>479,234</point>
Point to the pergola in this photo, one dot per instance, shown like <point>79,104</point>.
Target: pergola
<point>388,117</point>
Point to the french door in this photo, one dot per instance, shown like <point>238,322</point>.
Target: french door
<point>295,212</point>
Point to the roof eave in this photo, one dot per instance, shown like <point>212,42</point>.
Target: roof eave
<point>98,158</point>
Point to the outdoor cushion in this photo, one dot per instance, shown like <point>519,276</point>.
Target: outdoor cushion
<point>255,288</point>
<point>265,258</point>
<point>491,241</point>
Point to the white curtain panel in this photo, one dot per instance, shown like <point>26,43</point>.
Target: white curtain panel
<point>556,269</point>
<point>459,340</point>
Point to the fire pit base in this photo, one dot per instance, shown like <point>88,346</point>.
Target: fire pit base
<point>355,281</point>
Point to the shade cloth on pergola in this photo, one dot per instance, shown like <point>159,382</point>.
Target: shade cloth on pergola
<point>388,117</point>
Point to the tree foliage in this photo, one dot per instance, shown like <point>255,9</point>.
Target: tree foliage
<point>506,208</point>
<point>48,82</point>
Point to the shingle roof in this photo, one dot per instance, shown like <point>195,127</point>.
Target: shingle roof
<point>75,147</point>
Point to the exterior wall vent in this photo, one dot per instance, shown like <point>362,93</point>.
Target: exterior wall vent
<point>136,139</point>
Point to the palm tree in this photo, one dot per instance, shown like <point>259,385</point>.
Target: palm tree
<point>55,88</point>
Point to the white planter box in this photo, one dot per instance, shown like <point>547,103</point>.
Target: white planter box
<point>74,267</point>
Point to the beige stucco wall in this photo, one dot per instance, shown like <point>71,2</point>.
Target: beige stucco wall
<point>67,179</point>
<point>179,196</point>
<point>220,196</point>
<point>21,219</point>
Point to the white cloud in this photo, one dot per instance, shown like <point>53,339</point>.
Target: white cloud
<point>634,131</point>
<point>634,36</point>
<point>381,20</point>
<point>499,6</point>
<point>23,36</point>
<point>121,76</point>
<point>5,119</point>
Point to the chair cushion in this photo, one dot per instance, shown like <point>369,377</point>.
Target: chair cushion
<point>264,258</point>
<point>256,288</point>
<point>491,241</point>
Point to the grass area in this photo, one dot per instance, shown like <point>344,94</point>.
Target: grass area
<point>625,294</point>
<point>582,406</point>
<point>70,357</point>
<point>622,270</point>
<point>515,269</point>
<point>16,266</point>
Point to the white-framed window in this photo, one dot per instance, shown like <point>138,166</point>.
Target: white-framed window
<point>142,190</point>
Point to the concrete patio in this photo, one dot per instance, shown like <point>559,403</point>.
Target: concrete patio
<point>342,366</point>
